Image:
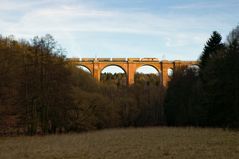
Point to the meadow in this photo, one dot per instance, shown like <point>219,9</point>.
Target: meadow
<point>131,143</point>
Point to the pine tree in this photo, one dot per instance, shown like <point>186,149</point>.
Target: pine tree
<point>212,46</point>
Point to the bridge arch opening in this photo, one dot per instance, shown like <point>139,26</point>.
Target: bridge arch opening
<point>148,74</point>
<point>113,74</point>
<point>84,68</point>
<point>194,69</point>
<point>170,72</point>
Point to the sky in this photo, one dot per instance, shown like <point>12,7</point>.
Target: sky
<point>165,29</point>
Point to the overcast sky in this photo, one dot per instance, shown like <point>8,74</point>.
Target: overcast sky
<point>173,29</point>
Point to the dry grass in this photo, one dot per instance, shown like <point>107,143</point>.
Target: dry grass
<point>142,143</point>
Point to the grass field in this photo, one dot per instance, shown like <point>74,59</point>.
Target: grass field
<point>141,143</point>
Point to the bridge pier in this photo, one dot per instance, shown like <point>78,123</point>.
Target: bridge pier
<point>96,71</point>
<point>131,68</point>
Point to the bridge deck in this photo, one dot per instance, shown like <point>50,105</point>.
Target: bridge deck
<point>122,60</point>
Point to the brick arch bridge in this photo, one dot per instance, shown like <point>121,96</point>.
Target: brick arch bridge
<point>130,65</point>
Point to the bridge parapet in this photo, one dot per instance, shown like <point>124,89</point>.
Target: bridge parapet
<point>149,59</point>
<point>132,60</point>
<point>87,59</point>
<point>119,59</point>
<point>104,59</point>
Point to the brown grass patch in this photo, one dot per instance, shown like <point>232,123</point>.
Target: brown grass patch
<point>141,143</point>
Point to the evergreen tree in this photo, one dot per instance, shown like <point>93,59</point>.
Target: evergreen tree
<point>212,46</point>
<point>221,84</point>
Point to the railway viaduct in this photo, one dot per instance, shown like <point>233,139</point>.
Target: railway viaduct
<point>130,65</point>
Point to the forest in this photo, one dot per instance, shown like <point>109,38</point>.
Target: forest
<point>43,93</point>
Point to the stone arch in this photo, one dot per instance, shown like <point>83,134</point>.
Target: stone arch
<point>194,67</point>
<point>151,65</point>
<point>170,72</point>
<point>155,67</point>
<point>84,66</point>
<point>109,65</point>
<point>120,79</point>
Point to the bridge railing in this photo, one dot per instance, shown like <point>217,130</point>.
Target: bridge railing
<point>114,59</point>
<point>129,60</point>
